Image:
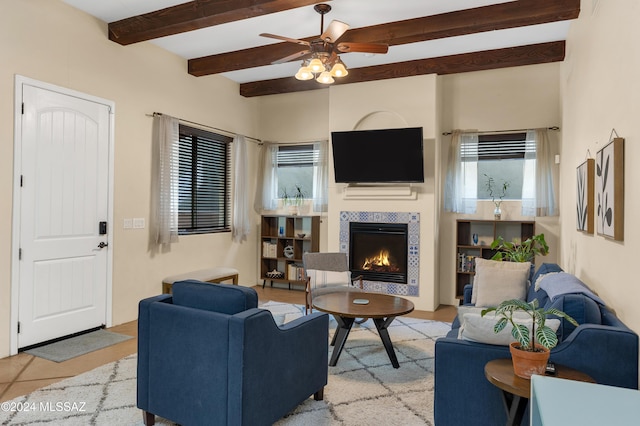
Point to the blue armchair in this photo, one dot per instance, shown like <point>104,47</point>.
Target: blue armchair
<point>208,356</point>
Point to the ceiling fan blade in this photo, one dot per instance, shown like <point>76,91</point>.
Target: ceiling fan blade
<point>291,40</point>
<point>293,57</point>
<point>334,31</point>
<point>348,47</point>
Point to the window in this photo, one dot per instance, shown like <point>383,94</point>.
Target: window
<point>204,182</point>
<point>501,156</point>
<point>295,168</point>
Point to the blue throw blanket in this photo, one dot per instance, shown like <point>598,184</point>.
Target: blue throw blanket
<point>563,283</point>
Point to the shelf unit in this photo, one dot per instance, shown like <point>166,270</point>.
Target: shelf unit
<point>487,230</point>
<point>282,246</point>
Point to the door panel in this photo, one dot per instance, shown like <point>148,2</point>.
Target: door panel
<point>65,163</point>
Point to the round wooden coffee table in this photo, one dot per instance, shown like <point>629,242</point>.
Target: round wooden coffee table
<point>381,308</point>
<point>516,390</point>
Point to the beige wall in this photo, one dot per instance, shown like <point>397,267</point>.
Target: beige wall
<point>54,43</point>
<point>405,102</point>
<point>600,91</point>
<point>514,98</point>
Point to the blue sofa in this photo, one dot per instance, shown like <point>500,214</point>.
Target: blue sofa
<point>601,346</point>
<point>208,356</point>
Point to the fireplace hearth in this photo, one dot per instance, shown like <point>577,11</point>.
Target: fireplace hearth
<point>389,262</point>
<point>378,251</point>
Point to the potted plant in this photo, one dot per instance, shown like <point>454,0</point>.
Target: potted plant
<point>496,191</point>
<point>294,201</point>
<point>520,251</point>
<point>530,351</point>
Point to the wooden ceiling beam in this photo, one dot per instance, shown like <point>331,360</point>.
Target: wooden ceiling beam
<point>467,62</point>
<point>469,21</point>
<point>193,16</point>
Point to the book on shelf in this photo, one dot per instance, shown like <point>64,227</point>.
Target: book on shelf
<point>269,249</point>
<point>295,272</point>
<point>466,263</point>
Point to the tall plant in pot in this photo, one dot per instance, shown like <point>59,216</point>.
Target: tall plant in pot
<point>524,251</point>
<point>496,191</point>
<point>530,351</point>
<point>293,200</point>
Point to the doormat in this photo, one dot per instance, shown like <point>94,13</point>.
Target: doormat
<point>78,345</point>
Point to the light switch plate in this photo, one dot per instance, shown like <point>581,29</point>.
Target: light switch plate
<point>138,223</point>
<point>128,223</point>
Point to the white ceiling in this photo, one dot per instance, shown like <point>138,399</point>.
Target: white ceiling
<point>305,22</point>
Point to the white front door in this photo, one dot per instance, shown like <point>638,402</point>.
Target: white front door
<point>64,193</point>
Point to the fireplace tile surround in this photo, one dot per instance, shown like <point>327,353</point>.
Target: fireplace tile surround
<point>412,220</point>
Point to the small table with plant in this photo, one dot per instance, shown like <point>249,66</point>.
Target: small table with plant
<point>516,390</point>
<point>529,353</point>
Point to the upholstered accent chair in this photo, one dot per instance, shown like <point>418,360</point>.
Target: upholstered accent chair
<point>327,273</point>
<point>208,356</point>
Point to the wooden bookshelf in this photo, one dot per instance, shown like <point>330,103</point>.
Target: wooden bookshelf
<point>282,245</point>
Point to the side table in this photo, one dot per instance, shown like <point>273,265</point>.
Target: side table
<point>516,390</point>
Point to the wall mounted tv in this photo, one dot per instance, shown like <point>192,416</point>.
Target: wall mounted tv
<point>378,156</point>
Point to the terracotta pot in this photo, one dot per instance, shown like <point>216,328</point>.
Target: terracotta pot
<point>526,363</point>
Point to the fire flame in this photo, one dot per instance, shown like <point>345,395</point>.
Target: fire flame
<point>381,259</point>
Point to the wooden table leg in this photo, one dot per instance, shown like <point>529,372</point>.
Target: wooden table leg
<point>382,325</point>
<point>340,337</point>
<point>515,406</point>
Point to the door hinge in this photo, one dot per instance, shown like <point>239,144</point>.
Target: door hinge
<point>23,108</point>
<point>21,180</point>
<point>18,327</point>
<point>19,254</point>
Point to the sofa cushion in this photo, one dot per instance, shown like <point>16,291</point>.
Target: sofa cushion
<point>579,307</point>
<point>496,281</point>
<point>223,298</point>
<point>478,328</point>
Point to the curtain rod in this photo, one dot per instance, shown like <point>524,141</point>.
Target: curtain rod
<point>503,131</point>
<point>207,126</point>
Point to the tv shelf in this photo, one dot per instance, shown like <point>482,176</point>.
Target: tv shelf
<point>282,246</point>
<point>487,230</point>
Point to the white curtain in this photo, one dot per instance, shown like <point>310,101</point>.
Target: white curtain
<point>240,225</point>
<point>320,183</point>
<point>461,186</point>
<point>166,133</point>
<point>266,189</point>
<point>538,194</point>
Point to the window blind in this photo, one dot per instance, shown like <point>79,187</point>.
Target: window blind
<point>297,156</point>
<point>498,147</point>
<point>204,182</point>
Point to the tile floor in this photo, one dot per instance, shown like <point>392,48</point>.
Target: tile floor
<point>24,373</point>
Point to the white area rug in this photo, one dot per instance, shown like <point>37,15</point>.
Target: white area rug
<point>363,389</point>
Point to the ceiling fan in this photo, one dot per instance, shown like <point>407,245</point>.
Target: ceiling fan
<point>320,57</point>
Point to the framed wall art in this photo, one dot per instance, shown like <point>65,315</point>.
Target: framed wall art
<point>585,195</point>
<point>610,190</point>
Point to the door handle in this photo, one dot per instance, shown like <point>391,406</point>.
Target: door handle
<point>102,244</point>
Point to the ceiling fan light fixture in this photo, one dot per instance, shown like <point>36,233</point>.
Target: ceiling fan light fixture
<point>339,70</point>
<point>316,65</point>
<point>325,78</point>
<point>304,73</point>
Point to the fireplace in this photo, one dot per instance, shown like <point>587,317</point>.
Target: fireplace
<point>378,251</point>
<point>409,285</point>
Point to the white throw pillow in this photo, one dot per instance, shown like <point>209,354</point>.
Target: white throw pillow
<point>319,278</point>
<point>477,328</point>
<point>497,281</point>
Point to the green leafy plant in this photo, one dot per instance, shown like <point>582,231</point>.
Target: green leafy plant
<point>539,333</point>
<point>293,199</point>
<point>495,190</point>
<point>520,251</point>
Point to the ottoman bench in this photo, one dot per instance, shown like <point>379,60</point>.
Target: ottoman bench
<point>210,275</point>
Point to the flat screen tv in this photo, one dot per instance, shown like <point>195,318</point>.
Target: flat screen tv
<point>378,156</point>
